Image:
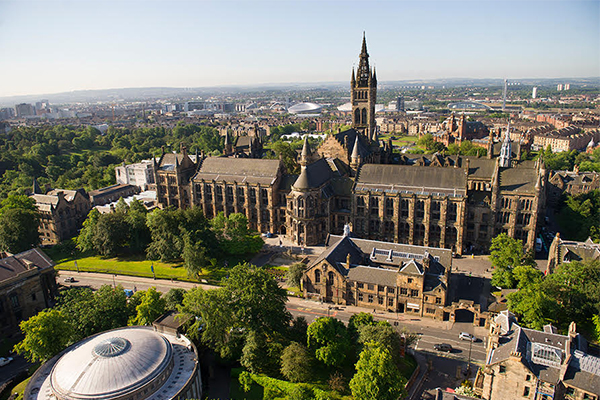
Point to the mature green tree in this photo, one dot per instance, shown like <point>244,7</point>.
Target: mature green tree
<point>259,302</point>
<point>234,236</point>
<point>296,363</point>
<point>300,392</point>
<point>505,254</point>
<point>46,334</point>
<point>174,298</point>
<point>430,144</point>
<point>19,229</point>
<point>285,152</point>
<point>527,276</point>
<point>358,320</point>
<point>596,322</point>
<point>298,330</point>
<point>92,312</point>
<point>294,274</point>
<point>328,338</point>
<point>250,301</point>
<point>384,334</point>
<point>214,321</point>
<point>376,375</point>
<point>579,216</point>
<point>167,242</point>
<point>20,201</point>
<point>85,239</point>
<point>571,293</point>
<point>151,306</point>
<point>261,353</point>
<point>139,234</point>
<point>111,234</point>
<point>535,307</point>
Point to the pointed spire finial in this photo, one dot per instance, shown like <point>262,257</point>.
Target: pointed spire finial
<point>355,152</point>
<point>364,44</point>
<point>305,155</point>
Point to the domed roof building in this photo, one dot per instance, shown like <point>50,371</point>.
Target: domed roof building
<point>305,108</point>
<point>125,364</point>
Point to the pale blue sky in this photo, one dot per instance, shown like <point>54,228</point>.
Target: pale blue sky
<point>52,46</point>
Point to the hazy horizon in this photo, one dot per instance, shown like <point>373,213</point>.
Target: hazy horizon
<point>63,46</point>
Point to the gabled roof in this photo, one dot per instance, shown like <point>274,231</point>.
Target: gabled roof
<point>14,265</point>
<point>412,267</point>
<point>373,275</point>
<point>240,170</point>
<point>520,179</point>
<point>412,179</point>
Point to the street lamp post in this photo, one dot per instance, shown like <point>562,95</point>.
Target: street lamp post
<point>469,362</point>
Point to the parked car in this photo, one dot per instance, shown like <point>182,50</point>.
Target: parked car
<point>5,360</point>
<point>443,347</point>
<point>466,336</point>
<point>69,279</point>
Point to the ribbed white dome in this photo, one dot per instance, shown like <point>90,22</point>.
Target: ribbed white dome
<point>112,364</point>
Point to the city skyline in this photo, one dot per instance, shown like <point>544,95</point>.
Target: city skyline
<point>61,46</point>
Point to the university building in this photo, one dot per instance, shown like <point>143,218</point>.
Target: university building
<point>523,363</point>
<point>453,202</point>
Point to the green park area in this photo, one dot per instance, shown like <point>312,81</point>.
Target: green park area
<point>125,266</point>
<point>399,140</point>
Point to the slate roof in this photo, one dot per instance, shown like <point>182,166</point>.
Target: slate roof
<point>14,265</point>
<point>352,134</point>
<point>315,175</point>
<point>481,167</point>
<point>412,179</point>
<point>583,372</point>
<point>110,189</point>
<point>577,251</point>
<point>374,275</point>
<point>337,252</point>
<point>519,179</point>
<point>240,170</point>
<point>366,246</point>
<point>576,178</point>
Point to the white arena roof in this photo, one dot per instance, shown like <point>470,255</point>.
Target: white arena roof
<point>305,108</point>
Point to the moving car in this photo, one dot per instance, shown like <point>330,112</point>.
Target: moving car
<point>70,279</point>
<point>442,347</point>
<point>466,336</point>
<point>5,360</point>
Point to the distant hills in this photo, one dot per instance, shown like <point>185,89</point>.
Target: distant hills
<point>182,94</point>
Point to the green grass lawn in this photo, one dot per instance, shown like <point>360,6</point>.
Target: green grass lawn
<point>125,266</point>
<point>400,140</point>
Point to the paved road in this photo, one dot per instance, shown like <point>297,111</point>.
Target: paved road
<point>430,331</point>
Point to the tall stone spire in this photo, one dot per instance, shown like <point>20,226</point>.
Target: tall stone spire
<point>364,72</point>
<point>506,151</point>
<point>305,155</point>
<point>364,95</point>
<point>355,157</point>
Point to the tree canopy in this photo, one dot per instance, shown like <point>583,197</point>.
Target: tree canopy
<point>46,334</point>
<point>328,338</point>
<point>377,377</point>
<point>507,253</point>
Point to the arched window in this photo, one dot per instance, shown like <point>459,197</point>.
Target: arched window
<point>420,209</point>
<point>419,234</point>
<point>364,116</point>
<point>317,276</point>
<point>330,278</point>
<point>357,116</point>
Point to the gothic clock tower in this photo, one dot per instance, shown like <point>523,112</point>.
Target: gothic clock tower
<point>364,96</point>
